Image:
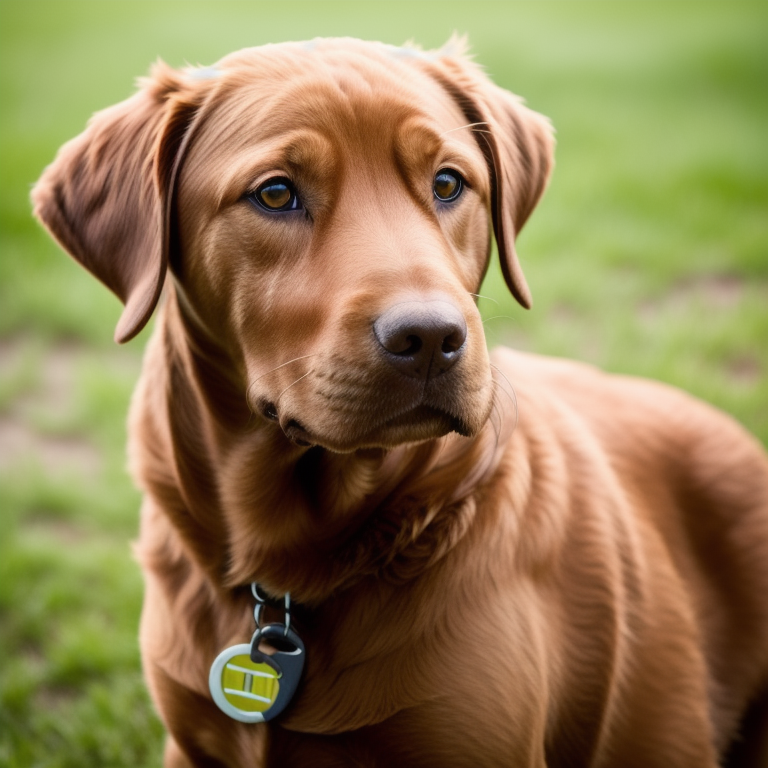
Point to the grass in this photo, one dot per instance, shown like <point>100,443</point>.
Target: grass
<point>647,256</point>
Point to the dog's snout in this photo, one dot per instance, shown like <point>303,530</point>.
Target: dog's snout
<point>422,339</point>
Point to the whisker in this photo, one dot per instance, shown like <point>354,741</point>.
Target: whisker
<point>498,317</point>
<point>502,374</point>
<point>489,298</point>
<point>277,402</point>
<point>282,365</point>
<point>512,396</point>
<point>488,143</point>
<point>462,127</point>
<point>272,370</point>
<point>505,433</point>
<point>495,408</point>
<point>496,427</point>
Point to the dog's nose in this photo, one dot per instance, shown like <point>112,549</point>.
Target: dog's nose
<point>422,339</point>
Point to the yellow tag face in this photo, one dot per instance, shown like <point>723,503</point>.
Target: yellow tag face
<point>241,688</point>
<point>248,686</point>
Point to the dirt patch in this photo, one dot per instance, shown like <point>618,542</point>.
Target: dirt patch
<point>715,291</point>
<point>745,370</point>
<point>12,353</point>
<point>63,531</point>
<point>53,375</point>
<point>42,383</point>
<point>58,375</point>
<point>563,313</point>
<point>721,291</point>
<point>52,697</point>
<point>46,697</point>
<point>20,445</point>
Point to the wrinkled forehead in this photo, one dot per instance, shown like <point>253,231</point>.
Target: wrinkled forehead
<point>359,96</point>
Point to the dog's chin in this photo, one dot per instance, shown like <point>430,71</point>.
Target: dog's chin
<point>424,422</point>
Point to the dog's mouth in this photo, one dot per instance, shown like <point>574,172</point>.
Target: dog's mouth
<point>425,415</point>
<point>420,422</point>
<point>345,408</point>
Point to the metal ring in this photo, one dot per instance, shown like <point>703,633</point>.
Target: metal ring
<point>287,613</point>
<point>257,593</point>
<point>261,600</point>
<point>264,658</point>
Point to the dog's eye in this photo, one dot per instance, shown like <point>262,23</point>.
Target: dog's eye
<point>448,185</point>
<point>276,194</point>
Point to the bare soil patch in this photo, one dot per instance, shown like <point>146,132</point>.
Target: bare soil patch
<point>51,394</point>
<point>64,531</point>
<point>745,370</point>
<point>719,291</point>
<point>20,444</point>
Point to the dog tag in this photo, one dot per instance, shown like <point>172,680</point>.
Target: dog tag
<point>240,688</point>
<point>288,658</point>
<point>252,686</point>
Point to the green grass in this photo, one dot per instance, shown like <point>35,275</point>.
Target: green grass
<point>647,256</point>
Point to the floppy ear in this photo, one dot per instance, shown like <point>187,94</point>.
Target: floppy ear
<point>519,148</point>
<point>106,197</point>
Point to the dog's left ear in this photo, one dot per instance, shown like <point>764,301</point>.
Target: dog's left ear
<point>518,145</point>
<point>106,198</point>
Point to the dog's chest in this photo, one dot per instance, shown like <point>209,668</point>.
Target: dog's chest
<point>468,701</point>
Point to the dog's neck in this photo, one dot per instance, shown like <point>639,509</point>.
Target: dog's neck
<point>308,521</point>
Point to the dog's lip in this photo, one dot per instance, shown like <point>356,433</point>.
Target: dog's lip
<point>423,412</point>
<point>403,425</point>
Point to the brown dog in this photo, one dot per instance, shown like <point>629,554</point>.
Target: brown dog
<point>583,586</point>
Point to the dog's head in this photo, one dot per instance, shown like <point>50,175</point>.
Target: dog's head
<point>324,211</point>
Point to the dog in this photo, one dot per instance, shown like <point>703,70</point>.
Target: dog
<point>505,560</point>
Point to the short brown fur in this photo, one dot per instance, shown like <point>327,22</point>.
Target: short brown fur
<point>570,570</point>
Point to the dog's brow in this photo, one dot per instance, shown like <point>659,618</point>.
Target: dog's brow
<point>299,148</point>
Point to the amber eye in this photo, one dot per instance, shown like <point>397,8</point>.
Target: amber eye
<point>275,195</point>
<point>448,185</point>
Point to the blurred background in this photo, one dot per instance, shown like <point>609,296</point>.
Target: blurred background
<point>648,255</point>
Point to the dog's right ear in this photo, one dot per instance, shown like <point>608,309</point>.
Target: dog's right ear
<point>106,198</point>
